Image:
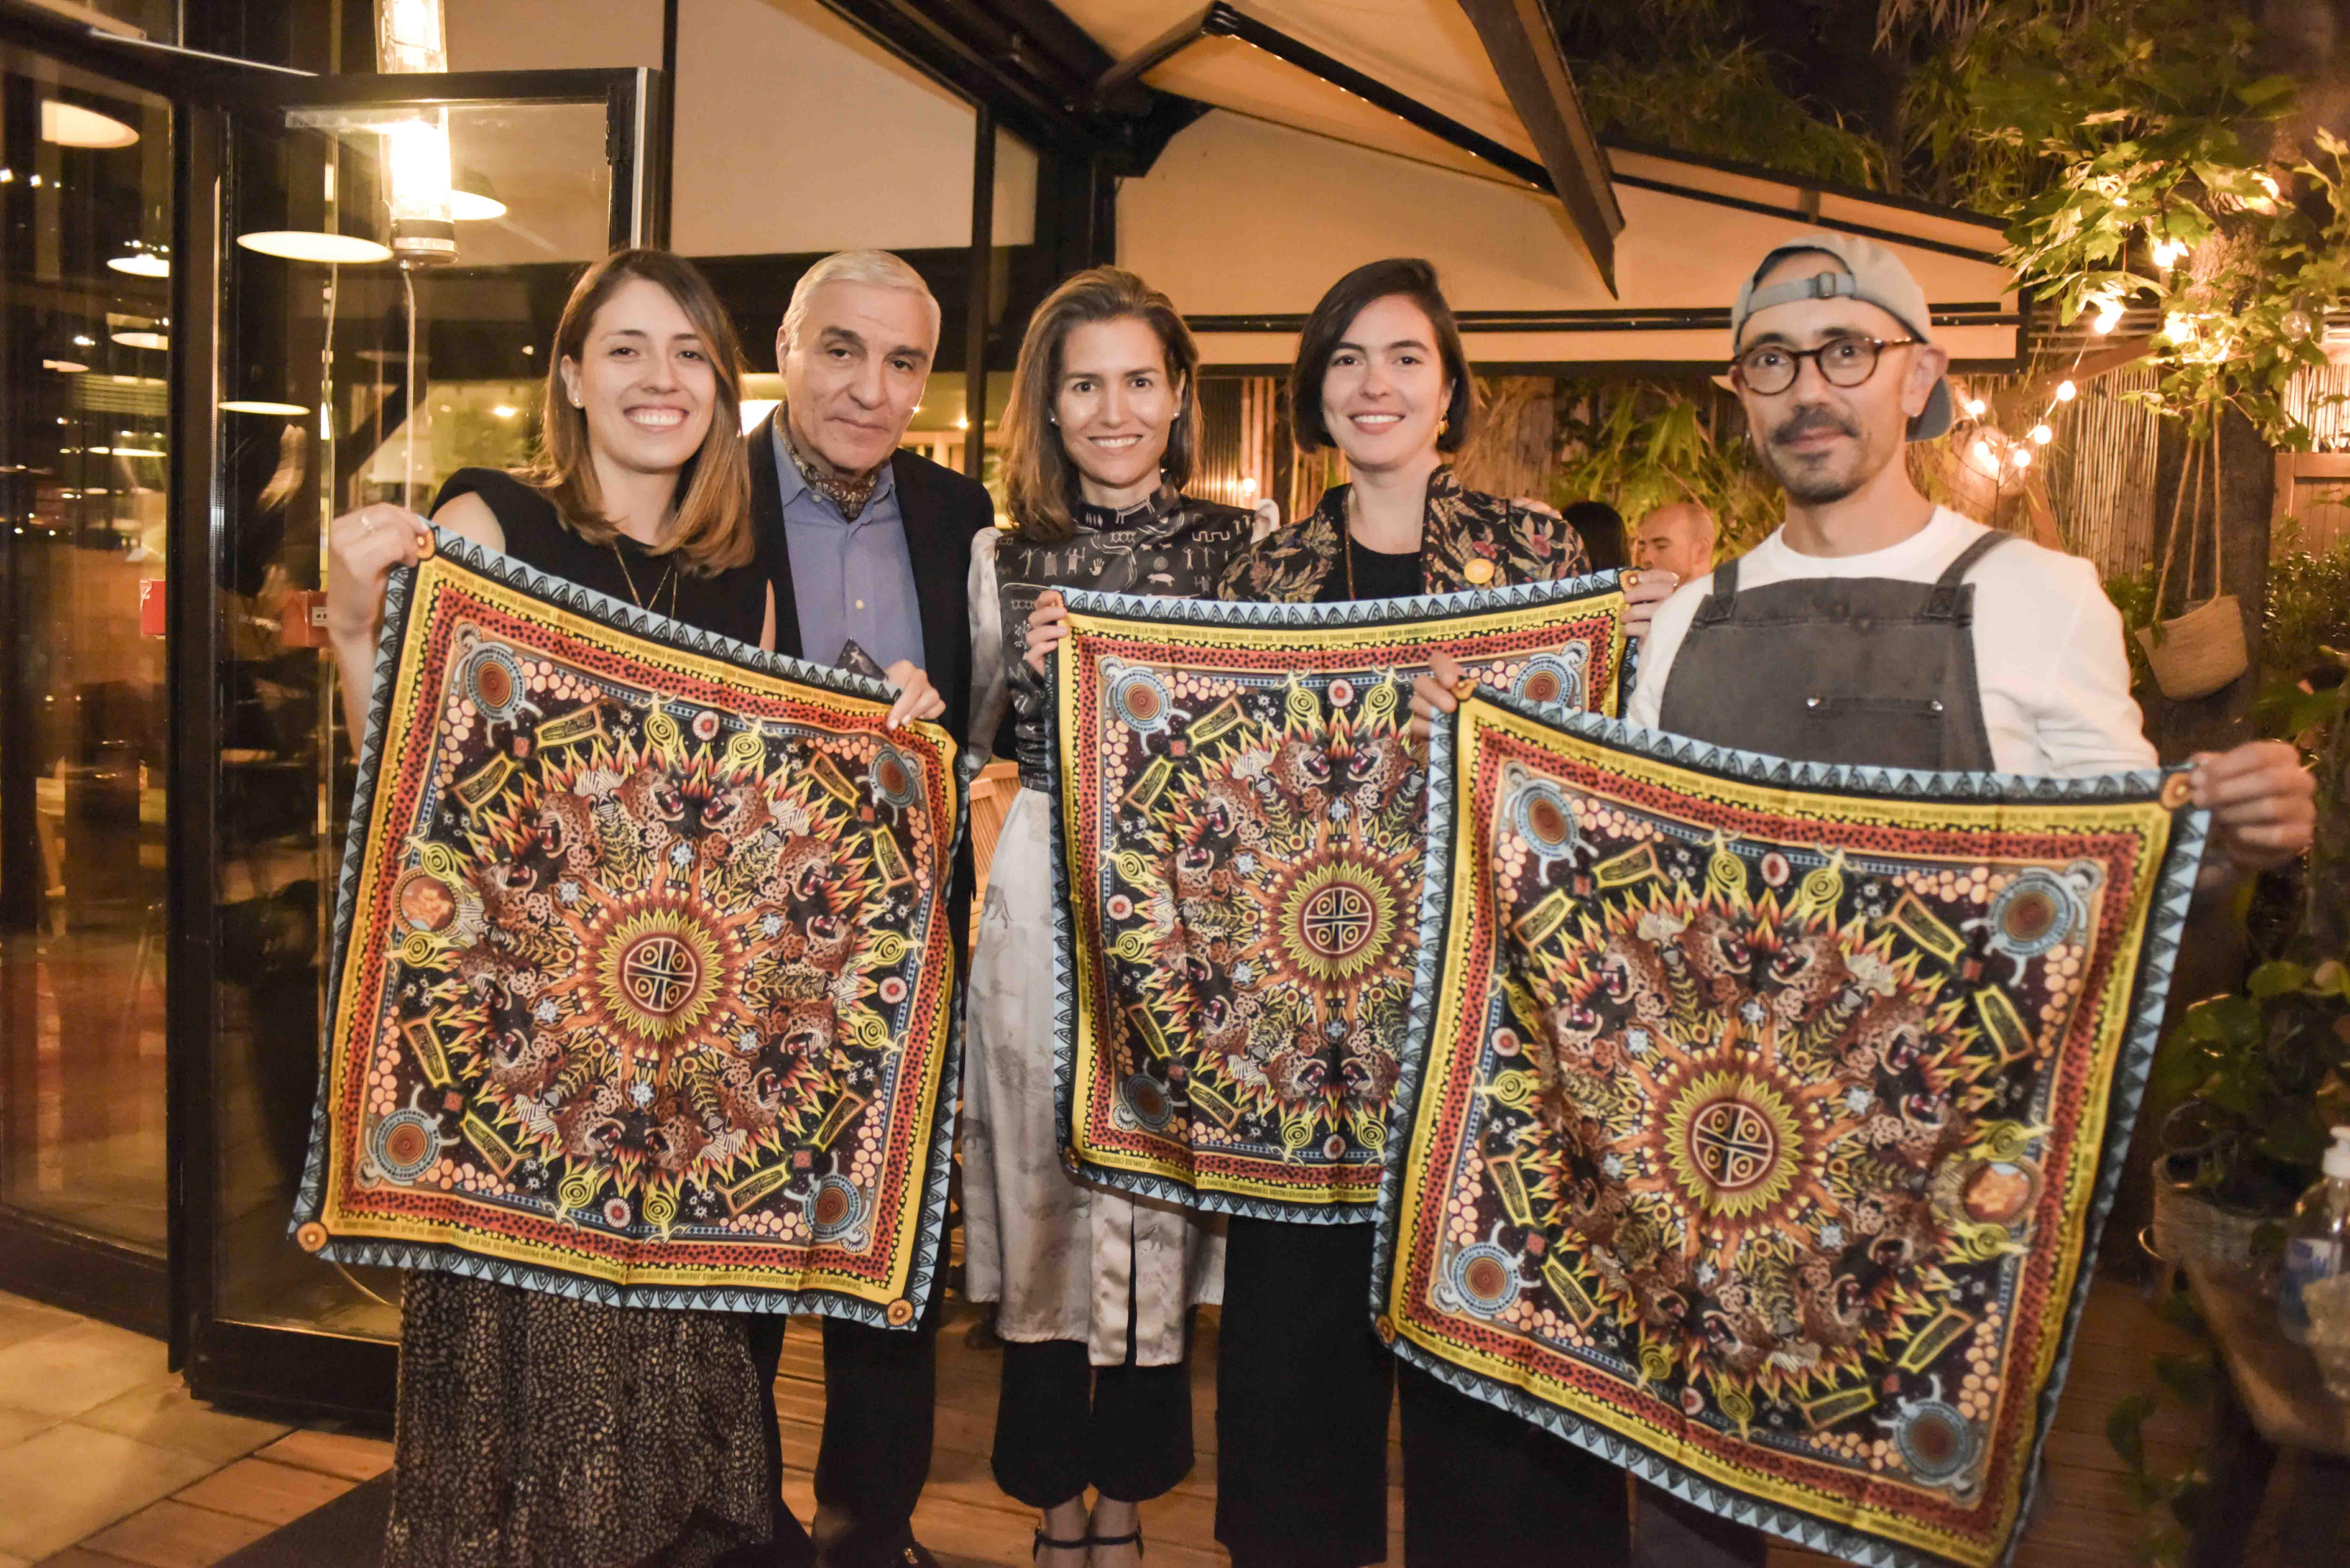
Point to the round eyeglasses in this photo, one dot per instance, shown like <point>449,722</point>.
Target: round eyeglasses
<point>1768,369</point>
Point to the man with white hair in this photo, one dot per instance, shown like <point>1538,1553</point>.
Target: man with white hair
<point>865,544</point>
<point>1677,537</point>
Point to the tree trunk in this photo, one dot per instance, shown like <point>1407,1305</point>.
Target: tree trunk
<point>2248,485</point>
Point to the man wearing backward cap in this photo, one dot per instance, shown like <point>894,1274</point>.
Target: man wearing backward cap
<point>1877,629</point>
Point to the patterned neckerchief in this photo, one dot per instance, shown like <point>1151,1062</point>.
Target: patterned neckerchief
<point>849,492</point>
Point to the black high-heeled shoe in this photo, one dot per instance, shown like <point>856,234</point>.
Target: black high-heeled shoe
<point>1043,1541</point>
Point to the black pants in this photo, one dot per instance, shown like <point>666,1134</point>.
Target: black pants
<point>1669,1533</point>
<point>880,1394</point>
<point>1302,1387</point>
<point>1482,1485</point>
<point>1063,1424</point>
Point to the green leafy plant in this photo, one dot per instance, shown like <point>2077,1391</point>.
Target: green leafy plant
<point>2259,1076</point>
<point>1650,442</point>
<point>2172,1501</point>
<point>1692,75</point>
<point>2139,152</point>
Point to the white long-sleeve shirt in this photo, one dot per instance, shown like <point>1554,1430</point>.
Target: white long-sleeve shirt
<point>2048,644</point>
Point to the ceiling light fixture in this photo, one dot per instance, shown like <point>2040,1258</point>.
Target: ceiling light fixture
<point>314,246</point>
<point>473,207</point>
<point>261,406</point>
<point>140,264</point>
<point>70,125</point>
<point>473,198</point>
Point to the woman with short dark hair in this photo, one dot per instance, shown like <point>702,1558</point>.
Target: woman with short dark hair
<point>1303,1384</point>
<point>1098,442</point>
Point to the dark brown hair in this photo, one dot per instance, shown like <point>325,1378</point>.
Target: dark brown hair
<point>1040,482</point>
<point>712,530</point>
<point>1414,280</point>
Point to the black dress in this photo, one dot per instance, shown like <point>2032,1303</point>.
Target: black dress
<point>540,1431</point>
<point>1303,1385</point>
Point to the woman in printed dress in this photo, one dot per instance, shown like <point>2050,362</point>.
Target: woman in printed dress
<point>1301,1383</point>
<point>1094,1287</point>
<point>537,1429</point>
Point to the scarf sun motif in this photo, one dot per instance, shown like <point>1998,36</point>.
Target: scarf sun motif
<point>642,969</point>
<point>1237,845</point>
<point>1760,1115</point>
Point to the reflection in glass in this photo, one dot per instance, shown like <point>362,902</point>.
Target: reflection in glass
<point>326,413</point>
<point>85,206</point>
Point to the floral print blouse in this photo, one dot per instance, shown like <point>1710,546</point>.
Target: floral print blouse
<point>1469,540</point>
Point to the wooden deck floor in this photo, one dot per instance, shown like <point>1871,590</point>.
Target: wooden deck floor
<point>2085,1519</point>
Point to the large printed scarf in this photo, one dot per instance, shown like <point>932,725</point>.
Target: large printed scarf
<point>1238,840</point>
<point>1760,1115</point>
<point>641,973</point>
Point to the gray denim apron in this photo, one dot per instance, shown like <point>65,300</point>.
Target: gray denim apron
<point>1870,671</point>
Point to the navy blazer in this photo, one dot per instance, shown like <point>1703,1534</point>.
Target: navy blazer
<point>941,510</point>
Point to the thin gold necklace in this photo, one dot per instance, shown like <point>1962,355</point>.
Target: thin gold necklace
<point>1346,542</point>
<point>668,578</point>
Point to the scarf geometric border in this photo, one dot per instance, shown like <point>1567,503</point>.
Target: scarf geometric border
<point>1247,764</point>
<point>1647,1123</point>
<point>656,970</point>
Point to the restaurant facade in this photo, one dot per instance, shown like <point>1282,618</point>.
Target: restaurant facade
<point>224,321</point>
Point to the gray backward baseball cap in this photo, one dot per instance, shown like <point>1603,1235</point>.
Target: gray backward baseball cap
<point>1871,274</point>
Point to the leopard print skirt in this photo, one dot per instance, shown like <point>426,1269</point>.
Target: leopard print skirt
<point>537,1431</point>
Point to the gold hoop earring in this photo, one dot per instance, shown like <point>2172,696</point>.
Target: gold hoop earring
<point>1444,425</point>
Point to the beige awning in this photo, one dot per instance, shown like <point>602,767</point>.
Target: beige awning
<point>1414,79</point>
<point>1245,222</point>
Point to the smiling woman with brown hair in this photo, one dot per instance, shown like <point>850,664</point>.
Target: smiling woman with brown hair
<point>1303,1385</point>
<point>1095,1286</point>
<point>535,1427</point>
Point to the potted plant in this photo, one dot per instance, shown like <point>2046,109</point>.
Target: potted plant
<point>2257,1077</point>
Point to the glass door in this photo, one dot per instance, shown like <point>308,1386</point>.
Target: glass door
<point>347,374</point>
<point>85,345</point>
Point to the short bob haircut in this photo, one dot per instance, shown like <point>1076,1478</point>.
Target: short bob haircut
<point>712,530</point>
<point>1414,280</point>
<point>1040,482</point>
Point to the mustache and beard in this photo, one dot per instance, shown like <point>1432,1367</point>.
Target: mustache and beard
<point>1818,478</point>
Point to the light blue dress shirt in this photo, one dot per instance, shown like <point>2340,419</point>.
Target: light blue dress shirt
<point>851,577</point>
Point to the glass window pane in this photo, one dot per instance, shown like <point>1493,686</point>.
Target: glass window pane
<point>85,205</point>
<point>322,419</point>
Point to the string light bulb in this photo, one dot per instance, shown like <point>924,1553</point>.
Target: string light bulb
<point>1975,406</point>
<point>2021,457</point>
<point>2109,316</point>
<point>1980,451</point>
<point>2042,435</point>
<point>2066,391</point>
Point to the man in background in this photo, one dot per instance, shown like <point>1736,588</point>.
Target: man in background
<point>1677,537</point>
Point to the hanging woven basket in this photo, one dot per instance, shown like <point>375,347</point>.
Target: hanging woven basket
<point>2198,653</point>
<point>2203,650</point>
